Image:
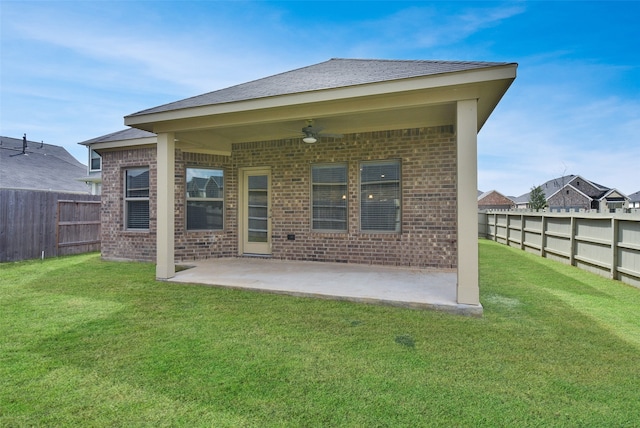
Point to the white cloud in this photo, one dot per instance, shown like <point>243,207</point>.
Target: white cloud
<point>523,145</point>
<point>429,27</point>
<point>78,67</point>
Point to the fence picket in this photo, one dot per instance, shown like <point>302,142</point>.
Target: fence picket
<point>35,223</point>
<point>604,243</point>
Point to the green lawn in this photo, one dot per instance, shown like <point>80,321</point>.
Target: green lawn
<point>90,343</point>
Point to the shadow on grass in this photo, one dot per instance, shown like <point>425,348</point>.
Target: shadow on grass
<point>608,303</point>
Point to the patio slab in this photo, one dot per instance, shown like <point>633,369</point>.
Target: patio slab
<point>405,287</point>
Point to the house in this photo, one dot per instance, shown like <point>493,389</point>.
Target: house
<point>576,192</point>
<point>634,200</point>
<point>30,165</point>
<point>494,200</point>
<point>354,161</point>
<point>46,209</point>
<point>94,171</point>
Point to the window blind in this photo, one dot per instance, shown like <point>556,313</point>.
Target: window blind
<point>380,196</point>
<point>329,197</point>
<point>137,198</point>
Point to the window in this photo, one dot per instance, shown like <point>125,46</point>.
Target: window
<point>205,199</point>
<point>95,161</point>
<point>137,198</point>
<point>380,196</point>
<point>329,197</point>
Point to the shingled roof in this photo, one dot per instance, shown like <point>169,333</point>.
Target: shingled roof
<point>331,74</point>
<point>40,167</point>
<point>125,134</point>
<point>554,185</point>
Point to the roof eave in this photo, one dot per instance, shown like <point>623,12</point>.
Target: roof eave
<point>123,143</point>
<point>465,81</point>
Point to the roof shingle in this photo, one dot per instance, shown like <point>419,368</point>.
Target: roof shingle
<point>41,167</point>
<point>331,74</point>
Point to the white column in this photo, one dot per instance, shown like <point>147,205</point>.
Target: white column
<point>468,290</point>
<point>165,199</point>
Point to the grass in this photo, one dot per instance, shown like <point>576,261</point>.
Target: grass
<point>90,343</point>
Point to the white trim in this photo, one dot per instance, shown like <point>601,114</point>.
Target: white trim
<point>243,247</point>
<point>468,289</point>
<point>379,88</point>
<point>165,207</point>
<point>123,143</point>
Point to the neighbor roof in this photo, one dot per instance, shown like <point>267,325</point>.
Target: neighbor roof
<point>482,195</point>
<point>552,186</point>
<point>41,167</point>
<point>335,73</point>
<point>634,197</point>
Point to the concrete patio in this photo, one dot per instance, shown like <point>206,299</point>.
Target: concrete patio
<point>404,287</point>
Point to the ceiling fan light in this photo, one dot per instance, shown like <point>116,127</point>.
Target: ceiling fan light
<point>309,139</point>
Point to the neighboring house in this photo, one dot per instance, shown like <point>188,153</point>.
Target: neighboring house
<point>201,187</point>
<point>46,209</point>
<point>394,183</point>
<point>494,200</point>
<point>578,193</point>
<point>29,165</point>
<point>634,200</point>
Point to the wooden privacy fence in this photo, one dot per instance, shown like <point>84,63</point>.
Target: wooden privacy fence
<point>35,224</point>
<point>607,244</point>
<point>78,226</point>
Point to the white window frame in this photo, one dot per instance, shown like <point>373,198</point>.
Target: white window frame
<point>128,199</point>
<point>203,198</point>
<point>94,155</point>
<point>370,193</point>
<point>345,207</point>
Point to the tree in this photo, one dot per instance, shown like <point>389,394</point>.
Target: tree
<point>537,199</point>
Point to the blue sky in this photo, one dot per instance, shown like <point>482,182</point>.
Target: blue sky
<point>71,70</point>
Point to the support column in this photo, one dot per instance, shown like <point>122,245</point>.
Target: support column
<point>165,209</point>
<point>468,290</point>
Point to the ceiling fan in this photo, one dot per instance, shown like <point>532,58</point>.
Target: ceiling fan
<point>311,133</point>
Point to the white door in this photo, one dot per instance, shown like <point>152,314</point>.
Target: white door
<point>256,211</point>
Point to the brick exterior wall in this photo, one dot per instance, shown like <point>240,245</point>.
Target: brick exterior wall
<point>496,201</point>
<point>428,231</point>
<point>568,198</point>
<point>195,245</point>
<point>118,243</point>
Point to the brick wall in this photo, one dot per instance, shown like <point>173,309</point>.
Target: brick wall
<point>195,245</point>
<point>428,231</point>
<point>569,198</point>
<point>495,200</point>
<point>117,243</point>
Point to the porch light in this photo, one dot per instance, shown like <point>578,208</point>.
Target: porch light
<point>309,139</point>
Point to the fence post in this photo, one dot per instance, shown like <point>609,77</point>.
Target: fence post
<point>614,247</point>
<point>543,235</point>
<point>572,241</point>
<point>522,231</point>
<point>57,223</point>
<point>588,250</point>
